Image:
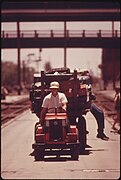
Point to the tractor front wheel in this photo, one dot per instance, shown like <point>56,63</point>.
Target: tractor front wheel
<point>39,154</point>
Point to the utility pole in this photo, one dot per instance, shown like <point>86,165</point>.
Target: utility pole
<point>39,58</point>
<point>19,64</point>
<point>30,60</point>
<point>65,44</point>
<point>113,29</point>
<point>24,71</point>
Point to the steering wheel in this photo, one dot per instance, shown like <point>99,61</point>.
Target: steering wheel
<point>57,109</point>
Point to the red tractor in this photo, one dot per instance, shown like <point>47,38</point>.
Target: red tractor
<point>54,138</point>
<point>63,133</point>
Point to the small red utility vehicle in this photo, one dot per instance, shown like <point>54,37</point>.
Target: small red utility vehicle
<point>56,137</point>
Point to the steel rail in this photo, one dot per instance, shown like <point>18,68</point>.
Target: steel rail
<point>11,111</point>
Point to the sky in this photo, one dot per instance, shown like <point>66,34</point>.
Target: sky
<point>76,57</point>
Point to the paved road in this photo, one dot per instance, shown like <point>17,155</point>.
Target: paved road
<point>102,160</point>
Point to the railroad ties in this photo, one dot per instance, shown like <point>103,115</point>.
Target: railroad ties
<point>11,110</point>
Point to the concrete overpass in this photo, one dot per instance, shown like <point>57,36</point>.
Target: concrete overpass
<point>33,11</point>
<point>61,39</point>
<point>59,11</point>
<point>64,11</point>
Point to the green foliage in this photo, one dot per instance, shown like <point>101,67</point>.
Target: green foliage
<point>47,66</point>
<point>9,75</point>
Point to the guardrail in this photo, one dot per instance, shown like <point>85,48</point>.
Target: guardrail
<point>61,34</point>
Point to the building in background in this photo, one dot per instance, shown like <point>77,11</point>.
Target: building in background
<point>111,67</point>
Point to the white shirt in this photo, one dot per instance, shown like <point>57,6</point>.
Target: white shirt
<point>51,101</point>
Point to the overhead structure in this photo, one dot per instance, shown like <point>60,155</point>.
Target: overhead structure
<point>63,11</point>
<point>59,11</point>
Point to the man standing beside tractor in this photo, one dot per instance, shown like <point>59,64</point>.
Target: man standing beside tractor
<point>96,111</point>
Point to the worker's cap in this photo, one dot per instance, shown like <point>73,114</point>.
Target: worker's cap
<point>54,85</point>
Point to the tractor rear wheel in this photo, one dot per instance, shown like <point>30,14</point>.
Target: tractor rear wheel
<point>39,154</point>
<point>75,153</point>
<point>82,133</point>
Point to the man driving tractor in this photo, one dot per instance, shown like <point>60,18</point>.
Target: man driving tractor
<point>53,100</point>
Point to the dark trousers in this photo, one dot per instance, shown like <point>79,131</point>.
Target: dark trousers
<point>99,116</point>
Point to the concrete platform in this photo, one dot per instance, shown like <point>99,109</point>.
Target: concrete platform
<point>109,94</point>
<point>14,98</point>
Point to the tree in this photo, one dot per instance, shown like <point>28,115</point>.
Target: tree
<point>9,75</point>
<point>47,66</point>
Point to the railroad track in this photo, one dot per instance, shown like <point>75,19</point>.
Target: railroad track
<point>12,110</point>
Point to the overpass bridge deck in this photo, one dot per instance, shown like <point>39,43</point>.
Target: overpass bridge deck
<point>60,33</point>
<point>61,39</point>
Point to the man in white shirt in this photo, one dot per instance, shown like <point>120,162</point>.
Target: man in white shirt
<point>54,100</point>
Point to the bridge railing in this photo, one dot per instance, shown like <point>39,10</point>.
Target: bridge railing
<point>61,34</point>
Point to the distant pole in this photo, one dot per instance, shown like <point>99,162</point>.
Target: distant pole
<point>24,72</point>
<point>18,54</point>
<point>112,28</point>
<point>65,44</point>
<point>39,59</point>
<point>113,60</point>
<point>114,71</point>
